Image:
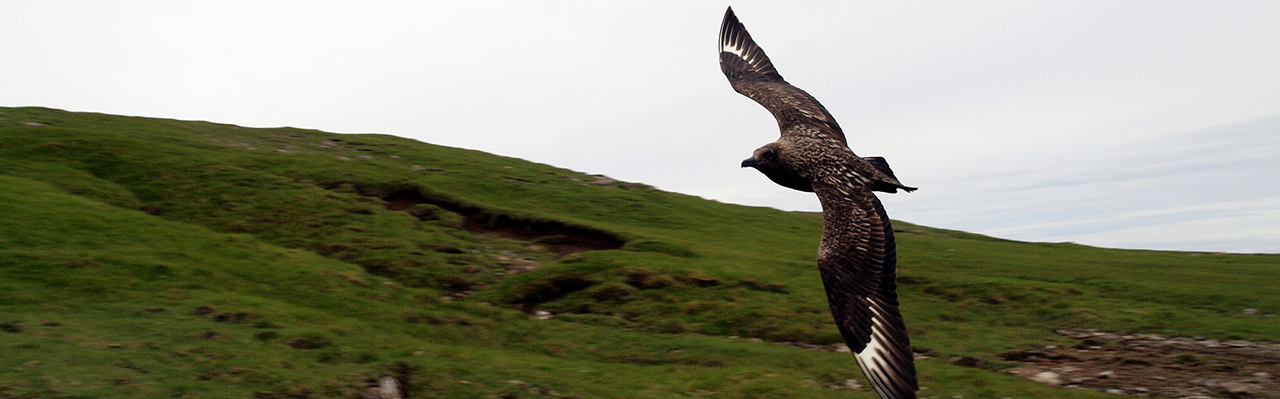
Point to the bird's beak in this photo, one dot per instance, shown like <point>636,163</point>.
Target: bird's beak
<point>750,162</point>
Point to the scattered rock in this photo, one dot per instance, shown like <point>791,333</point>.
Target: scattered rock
<point>1251,311</point>
<point>1234,388</point>
<point>388,388</point>
<point>603,181</point>
<point>852,384</point>
<point>523,265</point>
<point>1208,382</point>
<point>1152,365</point>
<point>1022,371</point>
<point>840,348</point>
<point>1047,378</point>
<point>542,315</point>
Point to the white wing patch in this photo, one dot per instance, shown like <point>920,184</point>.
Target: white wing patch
<point>729,48</point>
<point>872,357</point>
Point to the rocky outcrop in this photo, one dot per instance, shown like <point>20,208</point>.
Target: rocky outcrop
<point>1152,365</point>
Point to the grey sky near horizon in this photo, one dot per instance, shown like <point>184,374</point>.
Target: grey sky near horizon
<point>1143,124</point>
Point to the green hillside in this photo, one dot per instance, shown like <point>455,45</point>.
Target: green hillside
<point>158,258</point>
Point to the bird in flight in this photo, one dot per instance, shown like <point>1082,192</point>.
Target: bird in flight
<point>857,257</point>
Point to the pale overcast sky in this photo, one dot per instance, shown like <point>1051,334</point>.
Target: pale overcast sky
<point>1136,124</point>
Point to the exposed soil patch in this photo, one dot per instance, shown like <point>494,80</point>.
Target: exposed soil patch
<point>550,288</point>
<point>1149,365</point>
<point>557,236</point>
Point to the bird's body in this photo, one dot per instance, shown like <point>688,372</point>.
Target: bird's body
<point>858,256</point>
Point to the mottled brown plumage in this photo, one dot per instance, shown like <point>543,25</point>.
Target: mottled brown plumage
<point>857,257</point>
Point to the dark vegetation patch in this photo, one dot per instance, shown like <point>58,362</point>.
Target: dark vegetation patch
<point>233,317</point>
<point>616,293</point>
<point>550,288</point>
<point>966,361</point>
<point>446,249</point>
<point>562,238</point>
<point>644,278</point>
<point>311,341</point>
<point>454,283</point>
<point>660,247</point>
<point>266,324</point>
<point>698,278</point>
<point>775,287</point>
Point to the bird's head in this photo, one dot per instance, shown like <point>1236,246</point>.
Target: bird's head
<point>776,162</point>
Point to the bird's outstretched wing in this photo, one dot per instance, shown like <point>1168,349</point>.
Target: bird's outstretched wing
<point>751,73</point>
<point>858,261</point>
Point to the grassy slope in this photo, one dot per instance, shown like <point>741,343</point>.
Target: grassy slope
<point>117,229</point>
